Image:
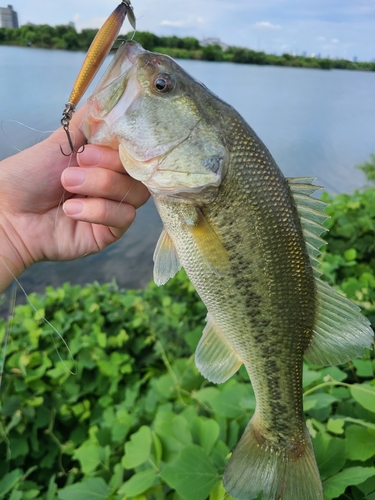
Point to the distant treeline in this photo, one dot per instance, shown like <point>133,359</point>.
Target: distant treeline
<point>66,37</point>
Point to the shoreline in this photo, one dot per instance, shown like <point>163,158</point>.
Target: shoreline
<point>67,38</point>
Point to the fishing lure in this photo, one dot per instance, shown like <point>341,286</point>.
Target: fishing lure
<point>98,51</point>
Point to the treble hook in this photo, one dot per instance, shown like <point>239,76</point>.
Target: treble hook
<point>65,120</point>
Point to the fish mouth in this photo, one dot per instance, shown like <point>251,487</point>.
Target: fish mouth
<point>113,96</point>
<point>133,50</point>
<point>124,59</point>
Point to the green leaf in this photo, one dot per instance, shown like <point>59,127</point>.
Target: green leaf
<point>138,449</point>
<point>138,483</point>
<point>89,456</point>
<point>364,394</point>
<point>192,475</point>
<point>363,368</point>
<point>94,488</point>
<point>336,425</point>
<point>174,433</point>
<point>336,485</point>
<point>309,376</point>
<point>358,421</point>
<point>227,400</point>
<point>218,492</point>
<point>360,443</point>
<point>334,372</point>
<point>318,401</point>
<point>52,489</point>
<point>208,433</point>
<point>330,454</point>
<point>350,254</point>
<point>17,495</point>
<point>9,481</point>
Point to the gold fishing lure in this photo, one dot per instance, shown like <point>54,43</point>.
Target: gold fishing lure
<point>98,51</point>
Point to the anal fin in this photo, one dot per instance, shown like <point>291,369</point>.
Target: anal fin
<point>166,263</point>
<point>215,358</point>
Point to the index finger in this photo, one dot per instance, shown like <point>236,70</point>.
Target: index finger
<point>100,156</point>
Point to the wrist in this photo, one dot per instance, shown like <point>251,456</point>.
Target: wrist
<point>11,262</point>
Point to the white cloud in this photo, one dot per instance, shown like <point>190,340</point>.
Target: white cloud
<point>172,23</point>
<point>334,40</point>
<point>321,38</point>
<point>76,17</point>
<point>267,25</point>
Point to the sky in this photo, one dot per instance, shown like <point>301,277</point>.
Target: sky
<point>329,28</point>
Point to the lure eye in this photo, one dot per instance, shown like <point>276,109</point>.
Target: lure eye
<point>163,84</point>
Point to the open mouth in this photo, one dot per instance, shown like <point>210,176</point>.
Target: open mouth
<point>113,96</point>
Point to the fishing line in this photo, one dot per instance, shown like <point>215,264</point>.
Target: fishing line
<point>8,329</point>
<point>42,132</point>
<point>125,195</point>
<point>16,281</point>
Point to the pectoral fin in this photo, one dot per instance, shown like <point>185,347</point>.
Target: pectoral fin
<point>209,245</point>
<point>166,263</point>
<point>215,357</point>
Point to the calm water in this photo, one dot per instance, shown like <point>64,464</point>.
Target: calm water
<point>316,123</point>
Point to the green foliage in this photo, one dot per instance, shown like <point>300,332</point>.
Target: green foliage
<point>368,168</point>
<point>66,37</point>
<point>349,257</point>
<point>126,415</point>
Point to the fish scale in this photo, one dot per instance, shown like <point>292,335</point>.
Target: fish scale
<point>249,273</point>
<point>249,240</point>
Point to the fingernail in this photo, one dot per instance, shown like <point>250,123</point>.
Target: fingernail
<point>74,176</point>
<point>73,207</point>
<point>90,156</point>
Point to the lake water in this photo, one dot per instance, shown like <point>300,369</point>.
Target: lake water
<point>316,123</point>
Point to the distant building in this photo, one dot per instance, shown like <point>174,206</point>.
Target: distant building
<point>8,17</point>
<point>213,41</point>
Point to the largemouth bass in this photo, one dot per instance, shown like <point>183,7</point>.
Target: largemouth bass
<point>248,239</point>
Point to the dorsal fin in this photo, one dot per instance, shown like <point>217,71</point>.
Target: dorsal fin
<point>312,216</point>
<point>341,332</point>
<point>309,209</point>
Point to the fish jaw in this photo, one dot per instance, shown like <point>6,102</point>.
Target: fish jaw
<point>111,99</point>
<point>179,174</point>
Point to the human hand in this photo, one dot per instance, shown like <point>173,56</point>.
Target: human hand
<point>40,220</point>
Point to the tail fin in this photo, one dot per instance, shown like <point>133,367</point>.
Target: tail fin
<point>256,467</point>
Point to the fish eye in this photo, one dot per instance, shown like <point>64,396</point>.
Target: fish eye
<point>163,84</point>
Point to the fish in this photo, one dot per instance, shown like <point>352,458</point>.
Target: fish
<point>248,239</point>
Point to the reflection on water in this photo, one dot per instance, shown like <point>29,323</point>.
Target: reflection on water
<point>315,123</point>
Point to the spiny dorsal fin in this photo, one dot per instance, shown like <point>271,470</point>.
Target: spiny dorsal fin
<point>341,332</point>
<point>312,216</point>
<point>166,263</point>
<point>209,244</point>
<point>215,358</point>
